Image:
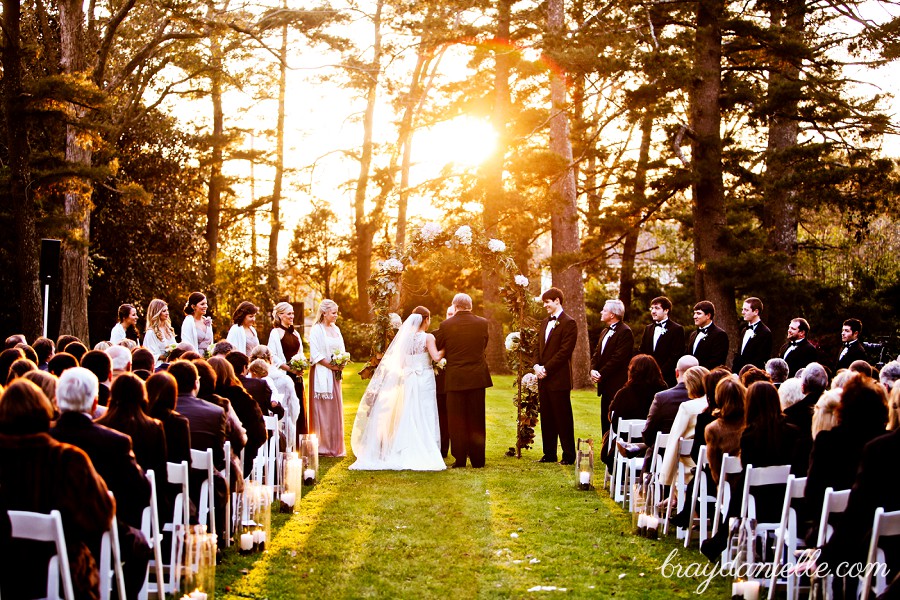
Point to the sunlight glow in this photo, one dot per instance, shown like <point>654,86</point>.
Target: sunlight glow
<point>463,141</point>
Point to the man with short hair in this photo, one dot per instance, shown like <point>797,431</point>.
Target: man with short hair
<point>121,360</point>
<point>665,406</point>
<point>756,338</point>
<point>557,336</point>
<point>777,370</point>
<point>222,348</point>
<point>98,363</point>
<point>889,375</point>
<point>709,343</point>
<point>609,364</point>
<point>15,339</point>
<point>798,351</point>
<point>44,348</point>
<point>663,339</point>
<point>852,349</point>
<point>113,459</point>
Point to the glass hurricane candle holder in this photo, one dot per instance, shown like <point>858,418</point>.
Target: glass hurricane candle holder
<point>293,483</point>
<point>197,563</point>
<point>309,452</point>
<point>256,518</point>
<point>584,465</point>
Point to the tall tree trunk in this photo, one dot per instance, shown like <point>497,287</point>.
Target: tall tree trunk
<point>706,165</point>
<point>404,141</point>
<point>79,188</point>
<point>565,240</point>
<point>272,267</point>
<point>367,225</point>
<point>216,182</point>
<point>494,192</point>
<point>20,173</point>
<point>639,201</point>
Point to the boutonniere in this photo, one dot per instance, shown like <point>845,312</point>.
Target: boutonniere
<point>662,331</point>
<point>552,325</point>
<point>752,334</point>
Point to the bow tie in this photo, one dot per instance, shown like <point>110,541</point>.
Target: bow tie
<point>552,318</point>
<point>661,323</point>
<point>847,344</point>
<point>752,327</point>
<point>703,330</point>
<point>796,342</point>
<point>612,327</point>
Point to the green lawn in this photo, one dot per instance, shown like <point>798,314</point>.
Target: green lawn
<point>464,533</point>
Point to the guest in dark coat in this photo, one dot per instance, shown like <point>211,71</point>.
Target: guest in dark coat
<point>40,474</point>
<point>609,364</point>
<point>665,406</point>
<point>100,364</point>
<point>112,456</point>
<point>246,408</point>
<point>258,389</point>
<point>663,339</point>
<point>836,453</point>
<point>709,342</point>
<point>162,395</point>
<point>800,414</point>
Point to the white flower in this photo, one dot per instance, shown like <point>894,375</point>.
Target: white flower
<point>521,280</point>
<point>464,235</point>
<point>395,320</point>
<point>430,231</point>
<point>495,245</point>
<point>391,265</point>
<point>530,382</point>
<point>513,341</point>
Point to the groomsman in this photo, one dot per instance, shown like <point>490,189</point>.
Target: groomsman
<point>756,338</point>
<point>553,366</point>
<point>709,343</point>
<point>663,339</point>
<point>798,351</point>
<point>609,365</point>
<point>852,349</point>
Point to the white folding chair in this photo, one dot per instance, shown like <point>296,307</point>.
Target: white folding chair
<point>151,530</point>
<point>202,460</point>
<point>787,541</point>
<point>684,451</point>
<point>228,524</point>
<point>659,450</point>
<point>272,454</point>
<point>832,503</point>
<point>731,466</point>
<point>177,475</point>
<point>754,529</point>
<point>110,563</point>
<point>885,524</point>
<point>620,479</point>
<point>609,475</point>
<point>702,496</point>
<point>631,468</point>
<point>46,528</point>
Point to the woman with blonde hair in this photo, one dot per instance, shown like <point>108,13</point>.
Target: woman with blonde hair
<point>284,392</point>
<point>825,413</point>
<point>326,400</point>
<point>284,344</point>
<point>159,334</point>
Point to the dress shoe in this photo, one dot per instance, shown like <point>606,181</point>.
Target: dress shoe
<point>458,466</point>
<point>567,462</point>
<point>547,459</point>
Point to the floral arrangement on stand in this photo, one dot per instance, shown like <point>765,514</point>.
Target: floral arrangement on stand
<point>384,288</point>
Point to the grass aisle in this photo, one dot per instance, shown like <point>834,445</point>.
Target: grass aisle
<point>463,533</point>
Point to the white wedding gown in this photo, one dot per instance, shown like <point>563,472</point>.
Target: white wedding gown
<point>397,424</point>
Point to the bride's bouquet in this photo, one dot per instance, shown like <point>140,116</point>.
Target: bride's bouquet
<point>298,363</point>
<point>438,365</point>
<point>340,359</point>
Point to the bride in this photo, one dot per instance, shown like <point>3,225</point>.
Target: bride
<point>396,426</point>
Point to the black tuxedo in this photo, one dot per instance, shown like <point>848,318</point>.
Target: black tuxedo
<point>463,338</point>
<point>555,355</point>
<point>669,348</point>
<point>758,349</point>
<point>802,354</point>
<point>260,391</point>
<point>612,364</point>
<point>712,350</point>
<point>855,351</point>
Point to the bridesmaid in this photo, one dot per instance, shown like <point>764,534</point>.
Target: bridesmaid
<point>159,333</point>
<point>285,343</point>
<point>127,319</point>
<point>242,335</point>
<point>326,400</point>
<point>196,329</point>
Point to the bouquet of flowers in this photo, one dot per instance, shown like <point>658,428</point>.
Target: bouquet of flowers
<point>164,357</point>
<point>340,359</point>
<point>299,363</point>
<point>439,365</point>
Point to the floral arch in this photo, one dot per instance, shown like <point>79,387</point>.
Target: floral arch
<point>490,253</point>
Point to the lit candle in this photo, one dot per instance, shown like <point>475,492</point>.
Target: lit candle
<point>198,595</point>
<point>748,590</point>
<point>642,520</point>
<point>289,498</point>
<point>247,541</point>
<point>309,474</point>
<point>584,477</point>
<point>259,536</point>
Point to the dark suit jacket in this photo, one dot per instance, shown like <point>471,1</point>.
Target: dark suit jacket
<point>800,415</point>
<point>112,457</point>
<point>855,351</point>
<point>634,400</point>
<point>669,348</point>
<point>712,351</point>
<point>260,391</point>
<point>556,353</point>
<point>757,351</point>
<point>612,363</point>
<point>178,438</point>
<point>662,413</point>
<point>463,338</point>
<point>207,426</point>
<point>251,417</point>
<point>803,354</point>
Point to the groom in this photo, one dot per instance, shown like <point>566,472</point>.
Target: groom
<point>463,338</point>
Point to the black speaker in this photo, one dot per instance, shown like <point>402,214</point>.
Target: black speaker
<point>49,260</point>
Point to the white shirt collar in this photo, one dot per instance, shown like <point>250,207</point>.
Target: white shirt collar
<point>557,313</point>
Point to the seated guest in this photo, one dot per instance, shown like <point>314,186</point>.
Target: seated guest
<point>110,453</point>
<point>76,349</point>
<point>222,348</point>
<point>685,421</point>
<point>64,340</point>
<point>665,406</point>
<point>99,363</point>
<point>723,436</point>
<point>128,344</point>
<point>750,375</point>
<point>61,362</point>
<point>777,369</point>
<point>207,423</point>
<point>258,388</point>
<point>862,416</point>
<point>894,409</point>
<point>29,352</point>
<point>39,474</point>
<point>814,380</point>
<point>180,350</point>
<point>825,413</point>
<point>142,360</point>
<point>44,348</point>
<point>14,340</point>
<point>645,380</point>
<point>235,432</point>
<point>121,360</point>
<point>162,398</point>
<point>102,346</point>
<point>7,358</point>
<point>889,374</point>
<point>790,393</point>
<point>248,411</point>
<point>769,439</point>
<point>19,368</point>
<point>47,383</point>
<point>863,367</point>
<point>287,384</point>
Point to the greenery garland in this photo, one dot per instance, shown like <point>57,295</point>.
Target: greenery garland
<point>384,285</point>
